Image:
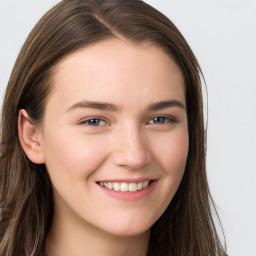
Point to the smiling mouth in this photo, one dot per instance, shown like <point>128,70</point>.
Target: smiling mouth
<point>124,186</point>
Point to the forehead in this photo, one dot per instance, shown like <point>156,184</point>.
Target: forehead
<point>104,70</point>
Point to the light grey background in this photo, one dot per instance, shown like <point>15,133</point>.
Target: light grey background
<point>222,34</point>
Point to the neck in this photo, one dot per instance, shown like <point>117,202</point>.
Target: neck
<point>79,239</point>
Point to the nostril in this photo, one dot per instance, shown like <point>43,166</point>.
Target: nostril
<point>131,159</point>
<point>130,148</point>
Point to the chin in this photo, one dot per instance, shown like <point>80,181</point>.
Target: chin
<point>133,230</point>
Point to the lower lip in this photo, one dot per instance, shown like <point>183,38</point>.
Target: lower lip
<point>130,196</point>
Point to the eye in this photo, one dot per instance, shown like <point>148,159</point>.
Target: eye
<point>94,122</point>
<point>161,120</point>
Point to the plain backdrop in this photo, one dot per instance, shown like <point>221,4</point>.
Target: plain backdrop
<point>222,35</point>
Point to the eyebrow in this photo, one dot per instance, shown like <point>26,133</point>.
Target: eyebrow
<point>166,104</point>
<point>95,105</point>
<point>114,108</point>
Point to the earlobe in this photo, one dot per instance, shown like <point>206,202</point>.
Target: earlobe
<point>30,138</point>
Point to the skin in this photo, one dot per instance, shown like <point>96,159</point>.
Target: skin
<point>127,142</point>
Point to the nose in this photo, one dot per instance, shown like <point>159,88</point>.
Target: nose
<point>130,149</point>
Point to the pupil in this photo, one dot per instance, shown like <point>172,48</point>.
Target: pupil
<point>94,122</point>
<point>159,119</point>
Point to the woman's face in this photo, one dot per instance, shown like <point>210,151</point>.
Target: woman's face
<point>115,137</point>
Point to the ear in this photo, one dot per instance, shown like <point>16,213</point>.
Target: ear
<point>30,137</point>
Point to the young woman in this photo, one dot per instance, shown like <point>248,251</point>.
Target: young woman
<point>103,142</point>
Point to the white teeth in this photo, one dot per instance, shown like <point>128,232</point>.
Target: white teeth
<point>145,184</point>
<point>140,185</point>
<point>116,186</point>
<point>125,187</point>
<point>110,186</point>
<point>133,187</point>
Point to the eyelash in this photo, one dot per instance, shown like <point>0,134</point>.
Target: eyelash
<point>167,120</point>
<point>98,120</point>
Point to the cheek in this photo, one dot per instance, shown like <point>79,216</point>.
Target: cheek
<point>172,152</point>
<point>73,154</point>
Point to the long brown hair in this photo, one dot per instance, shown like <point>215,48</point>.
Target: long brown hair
<point>187,227</point>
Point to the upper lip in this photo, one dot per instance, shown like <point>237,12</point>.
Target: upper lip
<point>128,180</point>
